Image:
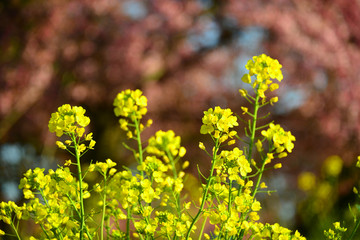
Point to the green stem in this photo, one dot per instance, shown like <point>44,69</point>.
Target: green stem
<point>128,223</point>
<point>202,228</point>
<point>176,195</point>
<point>253,127</point>
<point>104,209</point>
<point>82,212</point>
<point>252,130</point>
<point>15,230</point>
<point>355,229</point>
<point>138,138</point>
<point>208,181</point>
<point>259,179</point>
<point>42,227</point>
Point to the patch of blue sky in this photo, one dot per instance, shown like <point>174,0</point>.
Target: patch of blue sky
<point>206,37</point>
<point>290,99</point>
<point>250,39</point>
<point>10,190</point>
<point>134,9</point>
<point>11,153</point>
<point>206,3</point>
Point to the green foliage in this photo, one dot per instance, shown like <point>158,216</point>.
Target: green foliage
<point>148,202</point>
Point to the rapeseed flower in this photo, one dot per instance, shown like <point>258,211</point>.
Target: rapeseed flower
<point>218,123</point>
<point>264,68</point>
<point>130,104</point>
<point>68,120</point>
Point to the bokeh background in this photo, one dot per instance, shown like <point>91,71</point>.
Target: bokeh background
<point>187,56</point>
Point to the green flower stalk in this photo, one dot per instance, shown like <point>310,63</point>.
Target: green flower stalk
<point>131,106</point>
<point>106,169</point>
<point>71,121</point>
<point>218,123</point>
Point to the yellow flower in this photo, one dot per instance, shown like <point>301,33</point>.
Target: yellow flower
<point>218,122</point>
<point>165,143</point>
<point>130,104</point>
<point>246,78</point>
<point>86,195</point>
<point>277,166</point>
<point>245,109</point>
<point>265,68</point>
<point>60,145</point>
<point>274,100</point>
<point>92,144</point>
<point>263,185</point>
<point>28,194</point>
<point>280,138</point>
<point>182,151</point>
<point>187,205</point>
<point>256,206</point>
<point>68,163</point>
<point>243,92</point>
<point>306,181</point>
<point>112,171</point>
<point>274,86</point>
<point>333,165</point>
<point>258,145</point>
<point>254,216</point>
<point>68,120</point>
<point>185,165</point>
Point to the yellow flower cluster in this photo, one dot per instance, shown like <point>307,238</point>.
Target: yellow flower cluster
<point>232,208</point>
<point>279,139</point>
<point>336,233</point>
<point>171,225</point>
<point>164,143</point>
<point>59,193</point>
<point>130,104</point>
<point>233,165</point>
<point>272,231</point>
<point>8,210</point>
<point>68,120</point>
<point>218,122</point>
<point>71,121</point>
<point>135,194</point>
<point>265,68</point>
<point>154,168</point>
<point>103,167</point>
